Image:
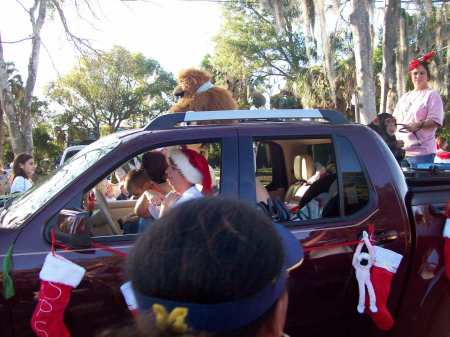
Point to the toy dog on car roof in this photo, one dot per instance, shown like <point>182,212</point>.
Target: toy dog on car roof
<point>197,93</point>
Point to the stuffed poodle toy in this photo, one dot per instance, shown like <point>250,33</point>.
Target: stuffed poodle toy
<point>197,93</point>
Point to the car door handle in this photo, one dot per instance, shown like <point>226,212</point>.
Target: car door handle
<point>386,236</point>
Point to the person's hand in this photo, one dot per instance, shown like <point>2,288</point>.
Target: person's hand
<point>170,199</point>
<point>413,127</point>
<point>155,198</point>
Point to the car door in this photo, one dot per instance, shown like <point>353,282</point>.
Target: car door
<point>323,291</point>
<point>97,302</point>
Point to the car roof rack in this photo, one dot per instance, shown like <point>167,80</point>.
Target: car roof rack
<point>172,120</point>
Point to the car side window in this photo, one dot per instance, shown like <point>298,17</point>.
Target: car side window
<point>305,171</point>
<point>354,182</point>
<point>121,202</point>
<point>320,174</point>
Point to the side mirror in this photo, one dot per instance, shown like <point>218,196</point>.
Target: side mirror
<point>73,229</point>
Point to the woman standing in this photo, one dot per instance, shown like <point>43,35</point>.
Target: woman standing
<point>420,111</point>
<point>23,170</point>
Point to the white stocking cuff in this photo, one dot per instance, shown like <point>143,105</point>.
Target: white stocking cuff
<point>59,270</point>
<point>387,259</point>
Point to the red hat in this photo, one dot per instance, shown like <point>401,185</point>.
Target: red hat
<point>414,63</point>
<point>193,166</point>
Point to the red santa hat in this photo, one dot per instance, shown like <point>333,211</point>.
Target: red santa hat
<point>414,63</point>
<point>193,166</point>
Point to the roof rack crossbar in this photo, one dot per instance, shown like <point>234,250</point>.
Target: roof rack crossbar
<point>170,120</point>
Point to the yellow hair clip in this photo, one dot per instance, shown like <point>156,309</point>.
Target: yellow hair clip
<point>175,320</point>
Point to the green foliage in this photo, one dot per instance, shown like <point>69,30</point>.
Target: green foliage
<point>110,89</point>
<point>285,100</point>
<point>46,150</point>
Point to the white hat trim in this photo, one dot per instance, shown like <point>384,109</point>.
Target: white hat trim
<point>387,259</point>
<point>187,169</point>
<point>446,232</point>
<point>59,270</point>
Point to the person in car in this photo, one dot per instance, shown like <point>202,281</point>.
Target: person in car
<point>212,267</point>
<point>186,168</point>
<point>155,165</point>
<point>23,171</point>
<point>137,183</point>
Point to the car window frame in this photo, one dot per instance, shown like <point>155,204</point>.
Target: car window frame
<point>343,219</point>
<point>228,142</point>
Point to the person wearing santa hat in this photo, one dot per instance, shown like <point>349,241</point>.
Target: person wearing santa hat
<point>186,169</point>
<point>420,112</point>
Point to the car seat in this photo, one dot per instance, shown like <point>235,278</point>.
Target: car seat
<point>303,170</point>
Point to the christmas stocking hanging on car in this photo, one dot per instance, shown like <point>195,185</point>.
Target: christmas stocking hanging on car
<point>58,277</point>
<point>446,235</point>
<point>385,266</point>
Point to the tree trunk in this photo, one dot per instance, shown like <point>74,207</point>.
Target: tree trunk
<point>390,38</point>
<point>327,50</point>
<point>7,106</point>
<point>308,15</point>
<point>441,41</point>
<point>20,122</point>
<point>2,134</point>
<point>359,21</point>
<point>401,65</point>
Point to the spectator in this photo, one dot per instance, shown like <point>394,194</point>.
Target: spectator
<point>219,266</point>
<point>23,170</point>
<point>420,111</point>
<point>442,155</point>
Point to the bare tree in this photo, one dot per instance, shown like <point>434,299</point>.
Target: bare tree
<point>308,16</point>
<point>401,57</point>
<point>390,39</point>
<point>328,52</point>
<point>360,24</point>
<point>18,117</point>
<point>19,122</point>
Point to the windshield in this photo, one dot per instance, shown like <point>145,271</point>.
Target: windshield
<point>21,208</point>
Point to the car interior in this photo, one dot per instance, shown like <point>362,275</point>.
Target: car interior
<point>112,210</point>
<point>301,178</point>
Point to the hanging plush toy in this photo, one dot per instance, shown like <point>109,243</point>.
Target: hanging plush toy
<point>58,277</point>
<point>362,262</point>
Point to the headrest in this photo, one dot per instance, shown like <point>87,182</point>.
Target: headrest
<point>307,167</point>
<point>298,167</point>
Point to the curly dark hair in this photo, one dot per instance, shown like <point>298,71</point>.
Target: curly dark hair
<point>208,250</point>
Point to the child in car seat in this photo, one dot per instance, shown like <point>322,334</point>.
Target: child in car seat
<point>137,183</point>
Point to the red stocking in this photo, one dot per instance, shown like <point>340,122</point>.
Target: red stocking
<point>130,299</point>
<point>384,268</point>
<point>446,235</point>
<point>58,277</point>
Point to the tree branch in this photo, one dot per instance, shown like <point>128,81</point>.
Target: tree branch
<point>78,42</point>
<point>21,40</point>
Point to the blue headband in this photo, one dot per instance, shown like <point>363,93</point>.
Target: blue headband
<point>228,316</point>
<point>225,316</point>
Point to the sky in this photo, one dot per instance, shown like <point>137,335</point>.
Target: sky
<point>176,33</point>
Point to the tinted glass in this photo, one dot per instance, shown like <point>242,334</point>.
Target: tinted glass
<point>356,189</point>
